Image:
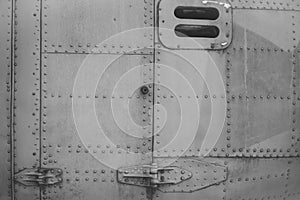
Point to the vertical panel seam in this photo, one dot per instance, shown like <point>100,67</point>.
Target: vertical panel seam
<point>41,90</point>
<point>12,96</point>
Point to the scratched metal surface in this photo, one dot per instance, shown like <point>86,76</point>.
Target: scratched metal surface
<point>5,91</point>
<point>27,92</point>
<point>84,172</point>
<point>249,179</point>
<point>260,70</point>
<point>288,5</point>
<point>259,142</point>
<point>257,70</point>
<point>77,26</point>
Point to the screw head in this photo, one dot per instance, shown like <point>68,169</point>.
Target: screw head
<point>144,90</point>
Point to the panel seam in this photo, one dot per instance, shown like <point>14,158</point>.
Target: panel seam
<point>12,97</point>
<point>41,92</point>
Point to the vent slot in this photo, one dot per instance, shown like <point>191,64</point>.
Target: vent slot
<point>204,31</point>
<point>189,12</point>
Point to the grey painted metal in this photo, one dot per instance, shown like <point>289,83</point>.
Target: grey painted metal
<point>296,86</point>
<point>62,146</point>
<point>170,100</point>
<point>294,179</point>
<point>60,140</point>
<point>268,103</point>
<point>254,178</point>
<point>287,5</point>
<point>258,28</point>
<point>6,91</point>
<point>259,107</point>
<point>77,26</point>
<point>27,92</point>
<point>256,156</point>
<point>262,114</point>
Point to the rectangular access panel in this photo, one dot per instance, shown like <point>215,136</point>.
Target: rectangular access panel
<point>149,99</point>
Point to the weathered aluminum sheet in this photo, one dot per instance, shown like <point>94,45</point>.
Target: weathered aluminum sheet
<point>287,5</point>
<point>254,178</point>
<point>89,164</point>
<point>262,34</point>
<point>257,71</point>
<point>60,102</point>
<point>27,91</point>
<point>293,180</point>
<point>5,98</point>
<point>181,84</point>
<point>257,103</point>
<point>80,26</point>
<point>258,178</point>
<point>296,86</point>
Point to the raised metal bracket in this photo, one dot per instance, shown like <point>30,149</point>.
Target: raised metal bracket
<point>183,175</point>
<point>152,175</point>
<point>39,176</point>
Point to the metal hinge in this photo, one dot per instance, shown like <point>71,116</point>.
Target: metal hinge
<point>185,175</point>
<point>39,176</point>
<point>152,175</point>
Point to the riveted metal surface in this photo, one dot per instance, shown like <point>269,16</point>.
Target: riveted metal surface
<point>171,99</point>
<point>61,137</point>
<point>257,178</point>
<point>204,175</point>
<point>258,31</point>
<point>266,5</point>
<point>254,178</point>
<point>260,139</point>
<point>295,29</point>
<point>293,192</point>
<point>252,85</point>
<point>77,26</point>
<point>167,20</point>
<point>252,61</point>
<point>252,74</point>
<point>257,105</point>
<point>27,91</point>
<point>5,100</point>
<point>296,86</point>
<point>62,146</point>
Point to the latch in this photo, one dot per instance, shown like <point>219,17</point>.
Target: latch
<point>183,175</point>
<point>152,175</point>
<point>39,176</point>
